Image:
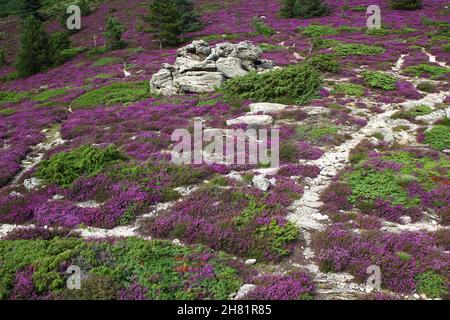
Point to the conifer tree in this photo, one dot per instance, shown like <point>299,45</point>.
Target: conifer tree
<point>166,20</point>
<point>304,8</point>
<point>29,7</point>
<point>113,34</point>
<point>35,54</point>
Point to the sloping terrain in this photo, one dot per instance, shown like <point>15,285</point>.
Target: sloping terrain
<point>86,177</point>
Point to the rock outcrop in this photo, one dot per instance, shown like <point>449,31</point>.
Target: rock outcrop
<point>200,68</point>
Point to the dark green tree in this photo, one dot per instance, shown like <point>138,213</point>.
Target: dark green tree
<point>113,34</point>
<point>59,41</point>
<point>84,8</point>
<point>166,20</point>
<point>304,8</point>
<point>29,7</point>
<point>190,18</point>
<point>406,4</point>
<point>35,54</point>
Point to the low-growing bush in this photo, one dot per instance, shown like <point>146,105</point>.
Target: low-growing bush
<point>427,86</point>
<point>262,27</point>
<point>296,84</point>
<point>438,137</point>
<point>379,80</point>
<point>324,63</point>
<point>406,4</point>
<point>304,8</point>
<point>426,69</point>
<point>63,168</point>
<point>348,49</point>
<point>432,284</point>
<point>116,93</point>
<point>350,89</point>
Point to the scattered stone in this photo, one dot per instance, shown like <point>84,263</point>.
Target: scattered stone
<point>252,120</point>
<point>261,182</point>
<point>250,262</point>
<point>89,204</point>
<point>244,290</point>
<point>176,242</point>
<point>267,108</point>
<point>32,183</point>
<point>200,68</point>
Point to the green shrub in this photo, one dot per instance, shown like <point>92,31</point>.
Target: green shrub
<point>350,89</point>
<point>59,41</point>
<point>113,34</point>
<point>379,80</point>
<point>65,167</point>
<point>261,27</point>
<point>438,137</point>
<point>404,255</point>
<point>348,49</point>
<point>313,133</point>
<point>295,84</point>
<point>2,58</point>
<point>318,30</point>
<point>406,4</point>
<point>412,113</point>
<point>116,93</point>
<point>378,32</point>
<point>12,97</point>
<point>324,63</point>
<point>106,61</point>
<point>7,112</point>
<point>446,47</point>
<point>426,69</point>
<point>94,287</point>
<point>266,47</point>
<point>35,53</point>
<point>432,284</point>
<point>427,87</point>
<point>304,8</point>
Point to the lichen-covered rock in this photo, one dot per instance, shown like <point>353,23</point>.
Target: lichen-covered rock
<point>200,68</point>
<point>252,120</point>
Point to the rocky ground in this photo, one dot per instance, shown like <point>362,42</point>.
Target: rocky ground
<point>364,180</point>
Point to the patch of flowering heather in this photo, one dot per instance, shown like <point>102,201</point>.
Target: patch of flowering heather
<point>23,287</point>
<point>38,233</point>
<point>297,285</point>
<point>22,130</point>
<point>309,171</point>
<point>335,197</point>
<point>381,165</point>
<point>308,152</point>
<point>388,211</point>
<point>341,250</point>
<point>133,292</point>
<point>232,220</point>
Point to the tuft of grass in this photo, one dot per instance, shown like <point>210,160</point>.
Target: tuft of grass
<point>262,27</point>
<point>106,62</point>
<point>7,112</point>
<point>324,62</point>
<point>114,94</point>
<point>12,97</point>
<point>318,30</point>
<point>49,94</point>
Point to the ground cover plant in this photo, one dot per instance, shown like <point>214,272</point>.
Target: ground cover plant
<point>86,176</point>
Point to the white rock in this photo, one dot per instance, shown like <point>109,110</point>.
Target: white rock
<point>250,262</point>
<point>32,183</point>
<point>230,67</point>
<point>244,290</point>
<point>267,107</point>
<point>176,242</point>
<point>252,120</point>
<point>261,182</point>
<point>199,81</point>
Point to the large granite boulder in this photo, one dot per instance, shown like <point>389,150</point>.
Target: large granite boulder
<point>200,68</point>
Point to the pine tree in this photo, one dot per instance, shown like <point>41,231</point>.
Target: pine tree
<point>29,7</point>
<point>304,8</point>
<point>34,55</point>
<point>59,41</point>
<point>113,34</point>
<point>84,8</point>
<point>166,20</point>
<point>190,18</point>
